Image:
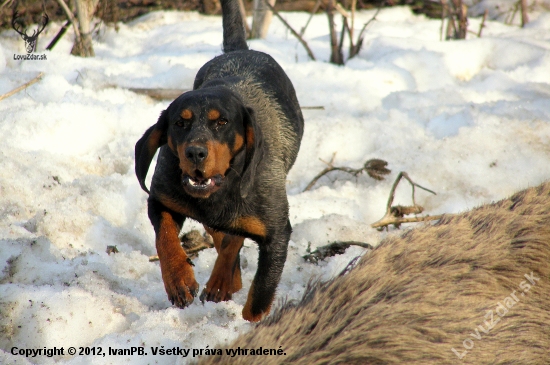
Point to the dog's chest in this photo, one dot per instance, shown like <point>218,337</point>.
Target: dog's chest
<point>224,217</point>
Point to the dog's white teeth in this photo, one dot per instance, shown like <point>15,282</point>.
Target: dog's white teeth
<point>200,183</point>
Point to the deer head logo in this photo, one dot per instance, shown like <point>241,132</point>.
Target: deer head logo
<point>30,41</point>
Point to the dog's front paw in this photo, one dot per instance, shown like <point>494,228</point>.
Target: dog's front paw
<point>223,282</point>
<point>179,282</point>
<point>216,292</point>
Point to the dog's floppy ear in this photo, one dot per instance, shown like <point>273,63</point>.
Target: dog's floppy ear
<point>254,150</point>
<point>147,146</point>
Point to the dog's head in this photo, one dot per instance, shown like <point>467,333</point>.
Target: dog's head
<point>206,129</point>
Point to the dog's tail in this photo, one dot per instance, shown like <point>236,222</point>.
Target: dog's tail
<point>234,36</point>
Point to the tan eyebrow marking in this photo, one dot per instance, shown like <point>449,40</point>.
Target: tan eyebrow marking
<point>213,114</point>
<point>186,114</point>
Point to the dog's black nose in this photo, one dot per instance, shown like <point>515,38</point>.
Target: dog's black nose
<point>196,154</point>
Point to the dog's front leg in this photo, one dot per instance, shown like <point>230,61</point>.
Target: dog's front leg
<point>271,261</point>
<point>176,267</point>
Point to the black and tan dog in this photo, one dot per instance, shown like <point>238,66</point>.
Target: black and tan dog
<point>225,150</point>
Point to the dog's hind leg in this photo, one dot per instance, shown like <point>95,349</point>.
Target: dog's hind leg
<point>176,267</point>
<point>226,275</point>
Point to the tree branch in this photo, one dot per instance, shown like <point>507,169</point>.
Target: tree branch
<point>315,8</point>
<point>300,39</point>
<point>72,18</point>
<point>375,168</point>
<point>395,214</point>
<point>354,51</point>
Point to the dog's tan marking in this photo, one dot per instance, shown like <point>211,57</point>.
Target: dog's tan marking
<point>251,225</point>
<point>226,275</point>
<point>186,114</point>
<point>175,205</point>
<point>216,163</point>
<point>171,143</point>
<point>249,137</point>
<point>239,142</point>
<point>218,160</point>
<point>177,273</point>
<point>153,141</point>
<point>213,114</point>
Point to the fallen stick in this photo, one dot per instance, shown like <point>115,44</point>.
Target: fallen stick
<point>22,87</point>
<point>395,214</point>
<point>332,249</point>
<point>318,107</point>
<point>375,168</point>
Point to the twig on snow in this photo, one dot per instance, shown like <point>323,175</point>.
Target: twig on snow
<point>22,87</point>
<point>395,214</point>
<point>375,168</point>
<point>332,249</point>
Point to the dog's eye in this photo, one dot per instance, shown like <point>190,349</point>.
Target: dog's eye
<point>179,123</point>
<point>222,121</point>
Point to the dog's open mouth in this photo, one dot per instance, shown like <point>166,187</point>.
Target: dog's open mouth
<point>200,186</point>
<point>199,183</point>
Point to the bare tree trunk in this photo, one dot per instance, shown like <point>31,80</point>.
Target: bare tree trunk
<point>524,17</point>
<point>336,55</point>
<point>85,11</point>
<point>462,18</point>
<point>261,18</point>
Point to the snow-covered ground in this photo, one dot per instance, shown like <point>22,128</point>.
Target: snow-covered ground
<point>468,119</point>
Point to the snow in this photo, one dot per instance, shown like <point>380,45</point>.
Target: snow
<point>467,119</point>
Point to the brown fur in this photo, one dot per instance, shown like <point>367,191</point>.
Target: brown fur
<point>226,274</point>
<point>218,160</point>
<point>419,295</point>
<point>213,114</point>
<point>174,263</point>
<point>238,144</point>
<point>251,224</point>
<point>186,114</point>
<point>176,206</point>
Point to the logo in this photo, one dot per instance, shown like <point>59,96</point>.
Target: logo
<point>30,41</point>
